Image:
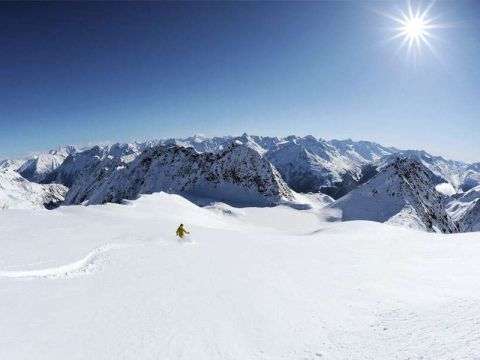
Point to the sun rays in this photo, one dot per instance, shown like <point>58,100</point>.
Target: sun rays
<point>414,29</point>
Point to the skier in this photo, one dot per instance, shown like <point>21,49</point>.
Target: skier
<point>181,231</point>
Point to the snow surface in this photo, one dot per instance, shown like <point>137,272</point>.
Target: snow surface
<point>112,282</point>
<point>445,189</point>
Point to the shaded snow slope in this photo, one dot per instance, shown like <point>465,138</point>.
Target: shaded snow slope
<point>112,282</point>
<point>236,175</point>
<point>40,168</point>
<point>471,177</point>
<point>471,220</point>
<point>464,208</point>
<point>403,193</point>
<point>17,192</point>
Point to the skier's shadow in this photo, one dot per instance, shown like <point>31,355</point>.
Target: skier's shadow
<point>314,232</point>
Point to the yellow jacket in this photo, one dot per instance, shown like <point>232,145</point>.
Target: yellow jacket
<point>181,231</point>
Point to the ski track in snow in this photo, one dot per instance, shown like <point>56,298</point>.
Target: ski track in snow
<point>84,266</point>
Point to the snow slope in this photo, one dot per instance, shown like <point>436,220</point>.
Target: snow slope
<point>471,177</point>
<point>111,282</point>
<point>18,193</point>
<point>471,220</point>
<point>403,193</point>
<point>12,164</point>
<point>464,208</point>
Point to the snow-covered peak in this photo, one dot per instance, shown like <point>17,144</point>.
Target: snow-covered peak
<point>402,193</point>
<point>41,167</point>
<point>17,192</point>
<point>362,152</point>
<point>64,150</point>
<point>85,162</point>
<point>237,175</point>
<point>448,170</point>
<point>13,164</point>
<point>331,166</point>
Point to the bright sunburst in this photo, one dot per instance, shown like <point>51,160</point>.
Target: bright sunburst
<point>414,27</point>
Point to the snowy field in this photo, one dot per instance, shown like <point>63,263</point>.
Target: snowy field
<point>112,282</point>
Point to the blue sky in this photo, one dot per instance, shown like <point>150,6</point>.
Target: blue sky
<point>76,73</point>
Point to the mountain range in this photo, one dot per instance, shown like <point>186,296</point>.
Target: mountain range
<point>369,181</point>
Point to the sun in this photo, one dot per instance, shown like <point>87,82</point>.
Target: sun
<point>415,28</point>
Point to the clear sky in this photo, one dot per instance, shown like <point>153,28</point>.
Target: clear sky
<point>76,73</point>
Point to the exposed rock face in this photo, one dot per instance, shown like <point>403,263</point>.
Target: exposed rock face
<point>237,175</point>
<point>403,192</point>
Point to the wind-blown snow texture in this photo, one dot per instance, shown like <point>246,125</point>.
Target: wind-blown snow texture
<point>112,282</point>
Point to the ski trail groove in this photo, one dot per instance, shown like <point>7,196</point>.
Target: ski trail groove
<point>84,266</point>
